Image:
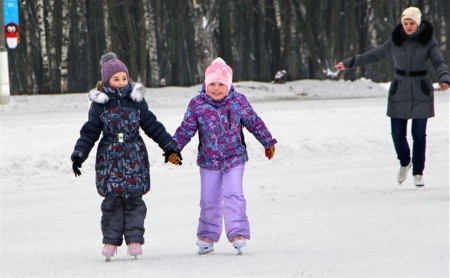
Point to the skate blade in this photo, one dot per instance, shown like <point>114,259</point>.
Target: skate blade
<point>238,246</point>
<point>205,251</point>
<point>107,259</point>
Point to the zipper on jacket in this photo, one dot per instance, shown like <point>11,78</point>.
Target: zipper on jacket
<point>229,119</point>
<point>411,66</point>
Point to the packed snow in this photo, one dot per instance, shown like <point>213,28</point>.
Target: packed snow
<point>327,204</point>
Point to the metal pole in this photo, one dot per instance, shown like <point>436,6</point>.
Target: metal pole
<point>4,71</point>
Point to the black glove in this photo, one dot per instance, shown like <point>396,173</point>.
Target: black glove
<point>172,154</point>
<point>77,161</point>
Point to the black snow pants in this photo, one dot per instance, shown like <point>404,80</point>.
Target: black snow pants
<point>123,217</point>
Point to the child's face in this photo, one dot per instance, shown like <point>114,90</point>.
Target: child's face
<point>410,26</point>
<point>118,80</point>
<point>217,91</point>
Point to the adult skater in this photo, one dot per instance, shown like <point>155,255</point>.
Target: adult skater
<point>413,48</point>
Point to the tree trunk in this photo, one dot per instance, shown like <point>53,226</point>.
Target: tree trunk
<point>66,28</point>
<point>272,38</point>
<point>107,27</point>
<point>29,83</point>
<point>45,67</point>
<point>205,24</point>
<point>52,45</point>
<point>151,45</point>
<point>81,79</point>
<point>129,40</point>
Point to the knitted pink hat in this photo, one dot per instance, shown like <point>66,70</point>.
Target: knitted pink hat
<point>220,72</point>
<point>110,66</point>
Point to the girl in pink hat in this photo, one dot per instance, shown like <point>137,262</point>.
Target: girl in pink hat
<point>219,114</point>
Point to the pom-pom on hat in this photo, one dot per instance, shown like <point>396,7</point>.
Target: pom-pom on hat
<point>220,72</point>
<point>110,66</point>
<point>412,13</point>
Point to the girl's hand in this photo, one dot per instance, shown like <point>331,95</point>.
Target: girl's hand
<point>174,158</point>
<point>444,86</point>
<point>172,154</point>
<point>76,165</point>
<point>340,66</point>
<point>270,152</point>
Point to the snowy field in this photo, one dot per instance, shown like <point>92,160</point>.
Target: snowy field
<point>327,205</point>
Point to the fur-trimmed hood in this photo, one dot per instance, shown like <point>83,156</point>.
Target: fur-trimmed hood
<point>424,34</point>
<point>136,94</point>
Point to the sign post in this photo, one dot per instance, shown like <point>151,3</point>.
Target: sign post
<point>4,73</point>
<point>9,36</point>
<point>11,23</point>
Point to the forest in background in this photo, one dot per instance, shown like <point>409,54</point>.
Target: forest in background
<point>170,42</point>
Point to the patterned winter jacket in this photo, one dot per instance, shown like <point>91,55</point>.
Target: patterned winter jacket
<point>219,124</point>
<point>122,166</point>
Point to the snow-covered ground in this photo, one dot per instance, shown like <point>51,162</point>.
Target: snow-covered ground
<point>327,205</point>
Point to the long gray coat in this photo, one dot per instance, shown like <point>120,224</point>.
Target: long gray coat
<point>409,97</point>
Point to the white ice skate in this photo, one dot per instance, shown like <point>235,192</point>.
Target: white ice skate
<point>238,243</point>
<point>418,181</point>
<point>205,247</point>
<point>403,173</point>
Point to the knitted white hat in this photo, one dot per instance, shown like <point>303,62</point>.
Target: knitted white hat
<point>412,13</point>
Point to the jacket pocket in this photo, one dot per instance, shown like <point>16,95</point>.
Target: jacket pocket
<point>393,88</point>
<point>425,88</point>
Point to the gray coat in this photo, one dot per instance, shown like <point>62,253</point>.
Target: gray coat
<point>409,96</point>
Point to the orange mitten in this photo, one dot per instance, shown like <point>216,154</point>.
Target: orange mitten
<point>270,152</point>
<point>174,159</point>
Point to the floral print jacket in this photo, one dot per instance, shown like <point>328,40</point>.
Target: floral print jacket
<point>122,164</point>
<point>220,125</point>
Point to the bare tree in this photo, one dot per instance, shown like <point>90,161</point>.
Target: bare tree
<point>43,45</point>
<point>151,45</point>
<point>205,23</point>
<point>107,27</point>
<point>66,28</point>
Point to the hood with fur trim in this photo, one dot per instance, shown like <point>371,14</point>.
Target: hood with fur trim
<point>136,94</point>
<point>424,34</point>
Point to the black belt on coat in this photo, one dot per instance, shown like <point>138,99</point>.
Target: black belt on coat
<point>412,73</point>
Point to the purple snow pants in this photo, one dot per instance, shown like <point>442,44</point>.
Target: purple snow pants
<point>222,199</point>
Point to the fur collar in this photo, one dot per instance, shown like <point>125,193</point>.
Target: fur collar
<point>424,34</point>
<point>137,94</point>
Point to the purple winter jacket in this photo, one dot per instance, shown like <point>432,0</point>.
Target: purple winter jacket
<point>219,124</point>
